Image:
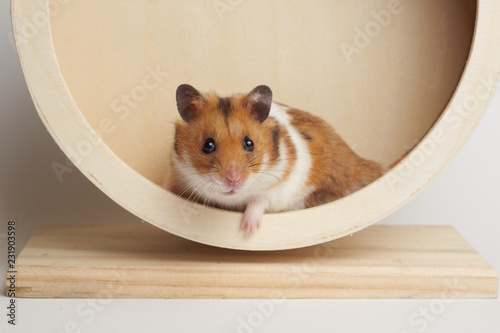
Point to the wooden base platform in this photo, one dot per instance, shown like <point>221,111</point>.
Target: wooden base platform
<point>142,261</point>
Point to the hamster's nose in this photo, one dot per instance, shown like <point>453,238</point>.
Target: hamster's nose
<point>233,177</point>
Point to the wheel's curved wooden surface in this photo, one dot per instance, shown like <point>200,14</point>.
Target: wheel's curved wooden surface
<point>387,75</point>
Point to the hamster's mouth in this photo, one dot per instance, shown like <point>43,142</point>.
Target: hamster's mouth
<point>230,192</point>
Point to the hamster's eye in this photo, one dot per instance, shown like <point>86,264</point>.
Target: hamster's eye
<point>248,144</point>
<point>209,146</point>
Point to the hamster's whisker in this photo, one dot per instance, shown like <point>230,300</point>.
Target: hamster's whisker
<point>200,194</point>
<point>260,181</point>
<point>196,189</point>
<point>187,185</point>
<point>190,183</point>
<point>206,198</point>
<point>254,158</point>
<point>198,184</point>
<point>272,156</point>
<point>217,160</point>
<point>192,174</point>
<point>249,166</point>
<point>210,199</point>
<point>268,174</point>
<point>196,166</point>
<point>251,160</point>
<point>203,174</point>
<point>254,165</point>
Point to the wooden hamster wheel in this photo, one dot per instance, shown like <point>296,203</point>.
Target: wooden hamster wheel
<point>387,75</point>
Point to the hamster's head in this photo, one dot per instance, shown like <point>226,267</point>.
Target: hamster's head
<point>223,145</point>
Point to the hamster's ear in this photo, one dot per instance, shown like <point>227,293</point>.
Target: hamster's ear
<point>189,102</point>
<point>259,103</point>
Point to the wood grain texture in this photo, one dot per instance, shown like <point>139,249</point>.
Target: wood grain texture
<point>80,58</point>
<point>145,262</point>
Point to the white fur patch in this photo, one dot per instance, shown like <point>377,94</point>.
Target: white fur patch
<point>290,194</point>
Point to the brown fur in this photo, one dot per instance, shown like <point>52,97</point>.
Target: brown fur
<point>336,169</point>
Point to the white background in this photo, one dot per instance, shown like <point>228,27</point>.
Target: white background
<point>466,195</point>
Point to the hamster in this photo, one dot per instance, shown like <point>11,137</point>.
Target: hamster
<point>247,153</point>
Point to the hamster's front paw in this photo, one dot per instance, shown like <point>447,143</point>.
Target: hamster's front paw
<point>249,224</point>
<point>252,218</point>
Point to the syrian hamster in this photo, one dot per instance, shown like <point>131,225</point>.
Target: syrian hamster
<point>247,153</point>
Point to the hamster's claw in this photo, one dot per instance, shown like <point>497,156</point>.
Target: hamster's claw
<point>250,225</point>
